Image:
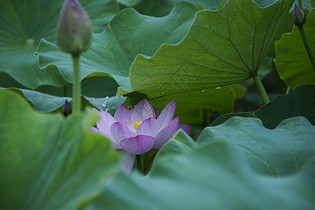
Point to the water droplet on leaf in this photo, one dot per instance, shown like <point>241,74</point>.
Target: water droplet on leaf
<point>30,42</point>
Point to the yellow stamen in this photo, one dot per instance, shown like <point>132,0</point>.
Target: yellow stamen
<point>136,124</point>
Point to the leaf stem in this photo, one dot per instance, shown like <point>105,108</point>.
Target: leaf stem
<point>261,89</point>
<point>288,91</point>
<point>139,165</point>
<point>307,47</point>
<point>76,90</point>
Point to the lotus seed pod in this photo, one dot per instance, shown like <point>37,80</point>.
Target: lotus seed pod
<point>74,29</point>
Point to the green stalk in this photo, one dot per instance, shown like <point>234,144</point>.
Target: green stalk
<point>261,89</point>
<point>139,164</point>
<point>288,91</point>
<point>76,90</point>
<point>307,47</point>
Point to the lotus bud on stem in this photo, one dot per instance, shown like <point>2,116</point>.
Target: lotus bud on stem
<point>299,19</point>
<point>298,16</point>
<point>74,35</point>
<point>66,108</point>
<point>74,29</point>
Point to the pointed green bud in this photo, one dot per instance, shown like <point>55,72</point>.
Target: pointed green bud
<point>74,29</point>
<point>298,16</point>
<point>66,108</point>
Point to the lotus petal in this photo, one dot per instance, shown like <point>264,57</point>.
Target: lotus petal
<point>166,133</point>
<point>137,145</point>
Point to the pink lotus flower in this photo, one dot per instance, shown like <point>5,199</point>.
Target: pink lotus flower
<point>138,130</point>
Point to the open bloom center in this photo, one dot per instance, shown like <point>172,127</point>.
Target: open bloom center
<point>136,124</point>
<point>136,131</point>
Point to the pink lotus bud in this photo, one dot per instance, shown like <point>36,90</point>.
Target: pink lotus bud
<point>74,29</point>
<point>298,16</point>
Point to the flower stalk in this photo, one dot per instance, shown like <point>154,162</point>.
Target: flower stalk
<point>299,19</point>
<point>76,89</point>
<point>307,46</point>
<point>288,91</point>
<point>74,36</point>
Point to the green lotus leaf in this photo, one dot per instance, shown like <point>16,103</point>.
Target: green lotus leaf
<point>97,87</point>
<point>6,81</point>
<point>281,151</point>
<point>25,22</point>
<point>50,162</point>
<point>128,2</point>
<point>43,102</point>
<point>219,173</point>
<point>225,117</point>
<point>298,103</point>
<point>223,47</point>
<point>203,4</point>
<point>181,143</point>
<point>111,103</point>
<point>96,91</point>
<point>190,106</point>
<point>163,7</point>
<point>296,70</point>
<point>128,34</point>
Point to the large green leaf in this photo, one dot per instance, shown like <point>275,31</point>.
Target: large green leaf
<point>24,22</point>
<point>111,103</point>
<point>278,152</point>
<point>43,102</point>
<point>128,2</point>
<point>190,106</point>
<point>98,87</point>
<point>223,47</point>
<point>128,34</point>
<point>218,175</point>
<point>203,4</point>
<point>49,162</point>
<point>163,7</point>
<point>296,70</point>
<point>298,103</point>
<point>6,81</point>
<point>96,91</point>
<point>181,143</point>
